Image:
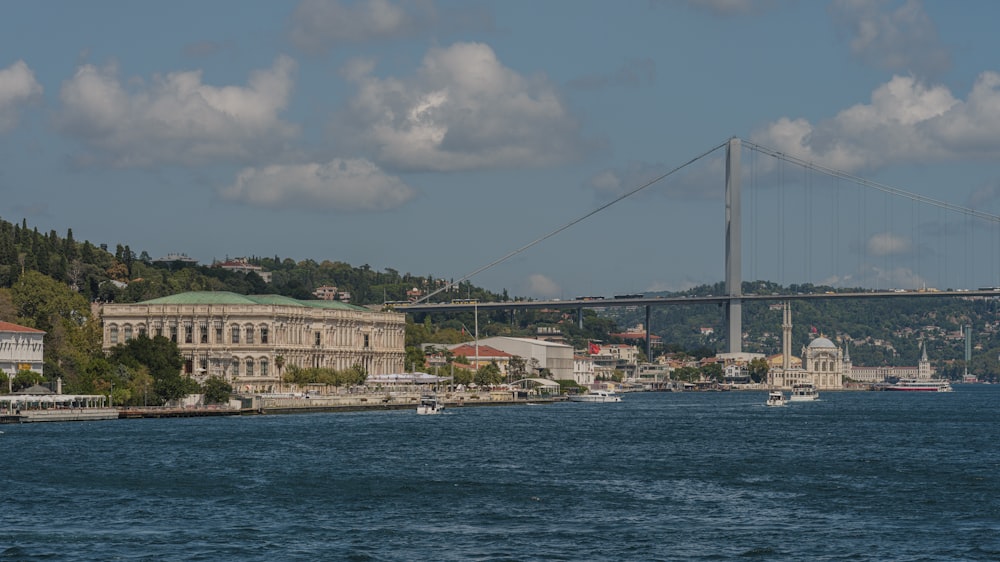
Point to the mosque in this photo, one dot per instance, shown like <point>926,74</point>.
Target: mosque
<point>828,367</point>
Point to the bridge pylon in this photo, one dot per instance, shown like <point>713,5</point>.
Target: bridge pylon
<point>734,248</point>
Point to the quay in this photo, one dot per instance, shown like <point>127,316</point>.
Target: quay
<point>302,404</point>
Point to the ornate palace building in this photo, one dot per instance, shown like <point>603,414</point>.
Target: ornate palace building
<point>248,339</point>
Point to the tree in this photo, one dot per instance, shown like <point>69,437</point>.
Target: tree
<point>216,390</point>
<point>489,374</point>
<point>25,379</point>
<point>758,369</point>
<point>163,361</point>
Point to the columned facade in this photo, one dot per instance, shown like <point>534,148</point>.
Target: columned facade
<point>249,340</point>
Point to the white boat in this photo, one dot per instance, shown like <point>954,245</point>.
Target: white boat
<point>429,405</point>
<point>921,385</point>
<point>596,396</point>
<point>776,398</point>
<point>803,392</point>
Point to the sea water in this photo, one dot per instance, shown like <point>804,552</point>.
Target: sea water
<point>659,476</point>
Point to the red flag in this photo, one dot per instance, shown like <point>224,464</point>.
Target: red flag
<point>594,349</point>
<point>813,329</point>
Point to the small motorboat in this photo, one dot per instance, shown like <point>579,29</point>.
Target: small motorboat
<point>775,398</point>
<point>429,405</point>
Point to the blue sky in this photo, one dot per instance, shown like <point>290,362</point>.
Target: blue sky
<point>433,137</point>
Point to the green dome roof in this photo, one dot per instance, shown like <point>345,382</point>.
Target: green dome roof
<point>226,297</point>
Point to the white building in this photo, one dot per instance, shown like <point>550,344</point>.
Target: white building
<point>556,357</point>
<point>240,338</point>
<point>21,349</point>
<point>583,370</point>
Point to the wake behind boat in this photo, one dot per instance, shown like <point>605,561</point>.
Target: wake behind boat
<point>596,396</point>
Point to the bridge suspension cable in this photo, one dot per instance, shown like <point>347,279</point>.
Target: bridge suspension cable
<point>573,222</point>
<point>869,183</point>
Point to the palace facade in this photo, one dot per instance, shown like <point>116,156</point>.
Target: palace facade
<point>248,340</point>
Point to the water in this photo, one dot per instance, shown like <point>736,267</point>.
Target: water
<point>692,476</point>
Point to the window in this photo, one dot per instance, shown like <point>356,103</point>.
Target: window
<point>158,330</point>
<point>218,331</point>
<point>114,335</point>
<point>263,334</point>
<point>366,341</point>
<point>188,333</point>
<point>203,332</point>
<point>128,332</point>
<point>173,334</point>
<point>249,366</point>
<point>236,334</point>
<point>263,367</point>
<point>142,331</point>
<point>203,365</point>
<point>249,334</point>
<point>188,365</point>
<point>236,367</point>
<point>317,337</point>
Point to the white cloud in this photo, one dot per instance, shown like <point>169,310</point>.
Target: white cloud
<point>348,185</point>
<point>903,40</point>
<point>906,121</point>
<point>17,86</point>
<point>462,110</point>
<point>888,244</point>
<point>540,286</point>
<point>175,119</point>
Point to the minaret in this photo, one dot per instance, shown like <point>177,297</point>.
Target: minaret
<point>924,367</point>
<point>786,337</point>
<point>848,367</point>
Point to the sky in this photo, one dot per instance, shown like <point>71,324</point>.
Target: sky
<point>435,137</point>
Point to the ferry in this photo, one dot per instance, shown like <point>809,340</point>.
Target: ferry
<point>596,396</point>
<point>920,385</point>
<point>804,392</point>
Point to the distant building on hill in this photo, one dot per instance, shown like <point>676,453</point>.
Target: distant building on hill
<point>240,337</point>
<point>174,260</point>
<point>242,265</point>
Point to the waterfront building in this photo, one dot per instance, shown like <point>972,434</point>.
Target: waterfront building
<point>556,357</point>
<point>21,349</point>
<point>583,369</point>
<point>248,340</point>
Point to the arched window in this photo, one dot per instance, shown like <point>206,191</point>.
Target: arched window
<point>249,337</point>
<point>249,366</point>
<point>263,367</point>
<point>113,329</point>
<point>128,332</point>
<point>236,334</point>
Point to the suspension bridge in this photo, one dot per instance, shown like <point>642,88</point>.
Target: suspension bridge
<point>815,225</point>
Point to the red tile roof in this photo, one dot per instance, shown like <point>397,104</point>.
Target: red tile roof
<point>8,327</point>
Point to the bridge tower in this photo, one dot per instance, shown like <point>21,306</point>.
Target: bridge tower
<point>734,248</point>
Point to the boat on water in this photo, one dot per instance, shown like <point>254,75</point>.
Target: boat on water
<point>920,385</point>
<point>596,396</point>
<point>429,405</point>
<point>775,398</point>
<point>803,392</point>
